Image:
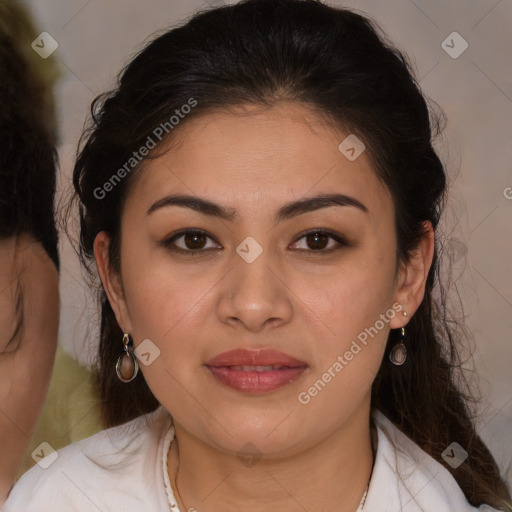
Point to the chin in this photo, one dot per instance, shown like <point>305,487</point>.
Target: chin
<point>269,436</point>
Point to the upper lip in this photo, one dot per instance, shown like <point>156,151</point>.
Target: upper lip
<point>255,357</point>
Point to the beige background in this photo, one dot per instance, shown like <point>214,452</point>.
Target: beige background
<point>96,38</point>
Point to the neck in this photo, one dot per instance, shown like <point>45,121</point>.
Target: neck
<point>334,474</point>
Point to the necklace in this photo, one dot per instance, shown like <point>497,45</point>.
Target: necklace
<point>173,505</point>
<point>363,499</point>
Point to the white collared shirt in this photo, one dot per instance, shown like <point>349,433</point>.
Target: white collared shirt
<point>424,485</point>
<point>120,470</point>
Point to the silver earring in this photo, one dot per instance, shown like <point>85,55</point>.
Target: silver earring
<point>398,353</point>
<point>127,366</point>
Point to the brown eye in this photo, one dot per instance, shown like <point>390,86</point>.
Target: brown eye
<point>321,241</point>
<point>317,241</point>
<point>193,242</point>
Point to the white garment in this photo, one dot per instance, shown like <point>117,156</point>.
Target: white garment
<point>120,470</point>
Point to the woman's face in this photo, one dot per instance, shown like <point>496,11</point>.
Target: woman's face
<point>255,281</point>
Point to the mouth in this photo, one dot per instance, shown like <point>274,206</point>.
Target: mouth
<point>255,371</point>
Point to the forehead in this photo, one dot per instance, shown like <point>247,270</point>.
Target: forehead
<point>250,156</point>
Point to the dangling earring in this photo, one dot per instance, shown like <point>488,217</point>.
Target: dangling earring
<point>127,366</point>
<point>398,353</point>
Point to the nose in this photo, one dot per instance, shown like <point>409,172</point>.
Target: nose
<point>255,295</point>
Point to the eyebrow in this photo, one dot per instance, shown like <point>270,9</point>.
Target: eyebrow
<point>285,212</point>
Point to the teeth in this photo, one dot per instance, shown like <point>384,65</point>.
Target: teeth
<point>266,368</point>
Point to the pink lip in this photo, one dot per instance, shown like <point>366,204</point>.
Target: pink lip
<point>255,381</point>
<point>261,357</point>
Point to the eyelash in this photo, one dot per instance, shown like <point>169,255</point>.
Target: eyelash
<point>168,243</point>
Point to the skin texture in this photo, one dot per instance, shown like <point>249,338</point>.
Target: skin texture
<point>26,363</point>
<point>291,298</point>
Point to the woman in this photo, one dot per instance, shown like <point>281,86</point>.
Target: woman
<point>29,260</point>
<point>260,196</point>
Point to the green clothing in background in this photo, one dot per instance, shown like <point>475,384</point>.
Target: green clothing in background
<point>70,412</point>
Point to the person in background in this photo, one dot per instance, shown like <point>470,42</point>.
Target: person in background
<point>29,259</point>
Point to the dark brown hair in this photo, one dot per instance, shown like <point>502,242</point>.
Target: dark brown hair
<point>340,64</point>
<point>28,158</point>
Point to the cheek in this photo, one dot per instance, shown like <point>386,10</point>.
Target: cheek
<point>161,303</point>
<point>355,307</point>
<point>349,352</point>
<point>168,308</point>
<point>169,305</point>
<point>355,294</point>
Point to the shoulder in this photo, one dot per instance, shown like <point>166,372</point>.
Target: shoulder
<point>115,469</point>
<point>405,478</point>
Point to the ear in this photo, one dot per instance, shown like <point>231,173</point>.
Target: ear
<point>412,277</point>
<point>111,281</point>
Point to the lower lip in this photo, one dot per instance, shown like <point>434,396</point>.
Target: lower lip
<point>256,382</point>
